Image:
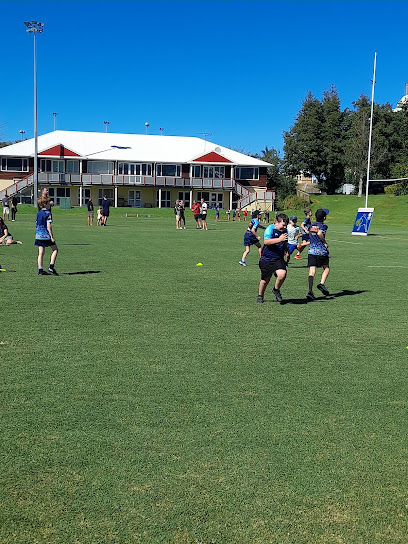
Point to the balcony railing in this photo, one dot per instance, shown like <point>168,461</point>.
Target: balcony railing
<point>113,180</point>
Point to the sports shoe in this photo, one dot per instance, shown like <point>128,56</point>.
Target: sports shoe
<point>298,257</point>
<point>42,272</point>
<point>323,289</point>
<point>243,263</point>
<point>52,272</point>
<point>277,294</point>
<point>260,299</point>
<point>310,296</point>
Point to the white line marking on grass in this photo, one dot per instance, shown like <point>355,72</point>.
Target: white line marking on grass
<point>385,266</point>
<point>345,242</point>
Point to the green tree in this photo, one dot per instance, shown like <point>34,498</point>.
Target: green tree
<point>357,122</point>
<point>283,185</point>
<point>303,146</point>
<point>332,136</point>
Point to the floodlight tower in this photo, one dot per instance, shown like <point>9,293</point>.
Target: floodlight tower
<point>106,123</point>
<point>147,125</point>
<point>55,120</point>
<point>34,27</point>
<point>22,132</point>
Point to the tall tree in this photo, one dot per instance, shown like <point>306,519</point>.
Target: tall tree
<point>303,146</point>
<point>333,130</point>
<point>284,185</point>
<point>356,143</point>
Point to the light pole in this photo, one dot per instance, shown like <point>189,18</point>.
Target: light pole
<point>33,28</point>
<point>106,123</point>
<point>55,120</point>
<point>161,131</point>
<point>22,132</point>
<point>147,125</point>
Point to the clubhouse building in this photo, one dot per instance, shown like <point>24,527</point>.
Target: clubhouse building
<point>133,170</point>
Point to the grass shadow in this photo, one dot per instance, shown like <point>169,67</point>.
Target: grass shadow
<point>81,272</point>
<point>343,293</point>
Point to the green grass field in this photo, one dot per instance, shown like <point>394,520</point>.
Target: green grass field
<point>153,401</point>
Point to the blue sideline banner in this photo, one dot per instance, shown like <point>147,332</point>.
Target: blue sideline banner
<point>363,221</point>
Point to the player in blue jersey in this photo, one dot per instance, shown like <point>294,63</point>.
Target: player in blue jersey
<point>293,234</point>
<point>274,256</point>
<point>45,238</point>
<point>305,226</point>
<point>318,253</point>
<point>251,238</point>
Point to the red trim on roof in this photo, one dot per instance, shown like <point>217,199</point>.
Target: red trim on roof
<point>212,157</point>
<point>59,151</point>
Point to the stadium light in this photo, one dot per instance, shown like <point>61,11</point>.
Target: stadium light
<point>22,132</point>
<point>55,120</point>
<point>35,28</point>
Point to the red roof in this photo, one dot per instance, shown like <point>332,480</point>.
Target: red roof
<point>212,157</point>
<point>59,151</point>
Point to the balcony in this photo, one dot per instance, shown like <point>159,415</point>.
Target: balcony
<point>86,180</point>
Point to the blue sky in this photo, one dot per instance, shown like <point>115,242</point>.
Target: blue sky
<point>237,69</point>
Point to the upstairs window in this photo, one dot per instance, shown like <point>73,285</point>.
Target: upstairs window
<point>72,167</point>
<point>100,167</point>
<point>246,173</point>
<point>134,169</point>
<point>169,170</point>
<point>55,166</point>
<point>11,164</point>
<point>217,172</point>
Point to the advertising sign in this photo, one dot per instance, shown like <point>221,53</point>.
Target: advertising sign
<point>363,220</point>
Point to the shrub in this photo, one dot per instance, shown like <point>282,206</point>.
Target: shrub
<point>293,202</point>
<point>392,189</point>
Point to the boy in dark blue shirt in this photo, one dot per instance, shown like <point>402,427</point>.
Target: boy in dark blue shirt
<point>251,237</point>
<point>274,256</point>
<point>318,253</point>
<point>44,238</point>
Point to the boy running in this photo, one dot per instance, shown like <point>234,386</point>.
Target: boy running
<point>318,253</point>
<point>273,255</point>
<point>251,237</point>
<point>305,226</point>
<point>293,234</point>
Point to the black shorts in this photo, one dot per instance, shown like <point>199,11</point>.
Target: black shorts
<point>203,217</point>
<point>305,238</point>
<point>46,243</point>
<point>250,239</point>
<point>196,217</point>
<point>317,260</point>
<point>268,269</point>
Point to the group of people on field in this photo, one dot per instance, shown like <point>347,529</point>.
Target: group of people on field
<point>281,239</point>
<point>200,210</point>
<point>102,212</point>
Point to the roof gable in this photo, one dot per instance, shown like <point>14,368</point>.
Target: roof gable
<point>212,157</point>
<point>59,151</point>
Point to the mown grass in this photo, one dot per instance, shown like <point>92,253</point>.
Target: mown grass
<point>152,401</point>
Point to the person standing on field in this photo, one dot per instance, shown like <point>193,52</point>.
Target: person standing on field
<point>90,207</point>
<point>195,208</point>
<point>105,210</point>
<point>203,214</point>
<point>13,207</point>
<point>44,238</point>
